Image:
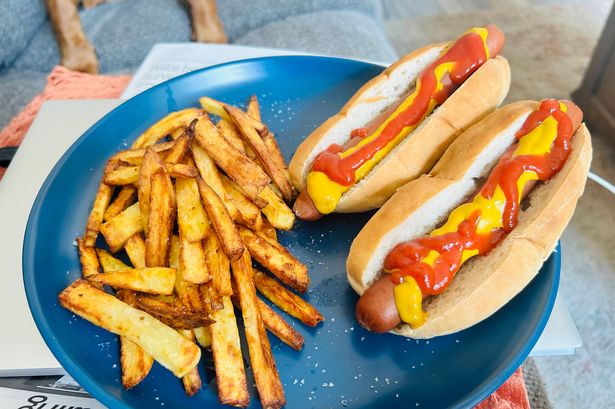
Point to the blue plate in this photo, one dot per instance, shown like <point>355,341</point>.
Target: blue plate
<point>341,365</point>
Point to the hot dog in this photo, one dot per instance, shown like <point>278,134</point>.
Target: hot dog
<point>398,124</point>
<point>460,242</point>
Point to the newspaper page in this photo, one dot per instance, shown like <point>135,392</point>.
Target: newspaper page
<point>169,60</point>
<point>40,392</point>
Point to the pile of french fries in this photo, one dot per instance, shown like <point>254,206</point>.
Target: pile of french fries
<point>224,188</point>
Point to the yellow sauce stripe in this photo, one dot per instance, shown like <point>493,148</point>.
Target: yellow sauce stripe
<point>539,140</point>
<point>409,300</point>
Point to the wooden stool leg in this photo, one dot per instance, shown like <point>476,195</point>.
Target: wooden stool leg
<point>77,52</point>
<point>206,24</point>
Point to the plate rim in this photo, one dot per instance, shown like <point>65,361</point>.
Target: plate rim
<point>102,395</point>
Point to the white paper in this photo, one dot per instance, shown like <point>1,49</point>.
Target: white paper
<point>168,60</point>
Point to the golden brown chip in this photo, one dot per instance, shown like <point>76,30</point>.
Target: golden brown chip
<point>135,248</point>
<point>174,314</point>
<point>252,137</point>
<point>218,265</point>
<point>135,156</point>
<point>191,216</point>
<point>265,372</point>
<point>279,327</point>
<point>248,214</point>
<point>103,197</point>
<point>276,259</point>
<point>192,262</point>
<point>276,211</point>
<point>162,342</point>
<point>134,361</point>
<point>118,174</point>
<point>126,197</point>
<point>228,360</point>
<point>192,381</point>
<point>153,280</point>
<point>238,167</point>
<point>221,221</point>
<point>160,220</point>
<point>88,259</point>
<point>179,150</point>
<point>122,227</point>
<point>166,126</point>
<point>291,303</point>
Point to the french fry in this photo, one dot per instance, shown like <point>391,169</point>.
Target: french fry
<point>192,381</point>
<point>254,140</point>
<point>179,150</point>
<point>135,248</point>
<point>253,108</point>
<point>266,375</point>
<point>180,170</point>
<point>248,214</point>
<point>153,280</point>
<point>228,360</point>
<point>221,221</point>
<point>118,174</point>
<point>212,299</point>
<point>286,300</point>
<point>191,216</point>
<point>135,156</point>
<point>165,126</point>
<point>209,173</point>
<point>229,132</point>
<point>279,327</point>
<point>238,167</point>
<point>151,162</point>
<point>173,314</point>
<point>122,175</point>
<point>215,107</point>
<point>178,132</point>
<point>192,262</point>
<point>218,265</point>
<point>160,221</point>
<point>268,231</point>
<point>103,197</point>
<point>126,197</point>
<point>203,336</point>
<point>276,259</point>
<point>108,262</point>
<point>188,293</point>
<point>276,155</point>
<point>88,259</point>
<point>123,226</point>
<point>162,342</point>
<point>276,211</point>
<point>134,361</point>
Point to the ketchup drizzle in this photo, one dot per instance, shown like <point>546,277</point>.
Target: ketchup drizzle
<point>468,54</point>
<point>406,258</point>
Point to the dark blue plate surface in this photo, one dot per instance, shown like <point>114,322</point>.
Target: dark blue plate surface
<point>341,365</point>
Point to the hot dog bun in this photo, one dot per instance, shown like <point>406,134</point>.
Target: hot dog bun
<point>485,283</point>
<point>475,98</point>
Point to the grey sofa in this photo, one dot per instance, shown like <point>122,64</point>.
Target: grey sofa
<point>124,31</point>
